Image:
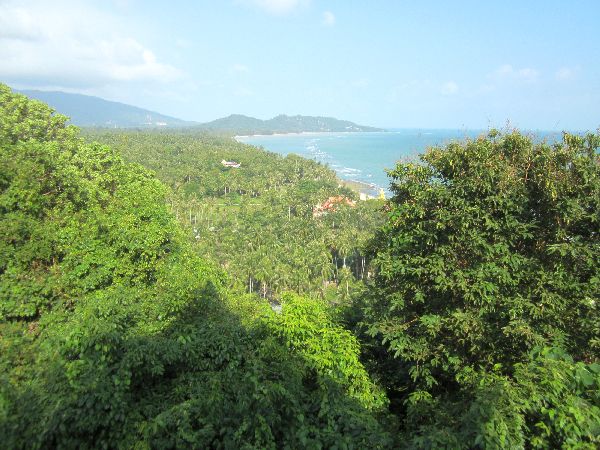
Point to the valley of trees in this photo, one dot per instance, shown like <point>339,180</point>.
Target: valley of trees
<point>151,297</point>
<point>256,222</point>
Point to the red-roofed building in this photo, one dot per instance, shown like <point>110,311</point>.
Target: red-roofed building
<point>331,205</point>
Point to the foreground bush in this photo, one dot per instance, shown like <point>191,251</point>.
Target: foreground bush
<point>484,309</point>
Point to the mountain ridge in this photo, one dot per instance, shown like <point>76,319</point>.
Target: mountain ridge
<point>283,123</point>
<point>92,111</point>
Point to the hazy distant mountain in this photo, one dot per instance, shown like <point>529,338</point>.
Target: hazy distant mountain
<point>87,111</point>
<point>241,124</point>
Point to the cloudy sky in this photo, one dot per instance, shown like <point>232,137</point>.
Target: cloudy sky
<point>392,63</point>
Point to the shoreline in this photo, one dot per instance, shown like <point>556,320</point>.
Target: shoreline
<point>303,133</point>
<point>362,188</point>
<point>370,190</point>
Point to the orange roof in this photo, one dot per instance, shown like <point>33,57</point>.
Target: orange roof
<point>331,204</point>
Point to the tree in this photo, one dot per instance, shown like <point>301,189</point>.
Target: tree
<point>114,333</point>
<point>488,264</point>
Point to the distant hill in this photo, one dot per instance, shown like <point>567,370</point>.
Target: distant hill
<point>241,124</point>
<point>89,111</point>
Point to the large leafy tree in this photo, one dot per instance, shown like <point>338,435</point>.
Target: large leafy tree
<point>115,334</point>
<point>484,309</point>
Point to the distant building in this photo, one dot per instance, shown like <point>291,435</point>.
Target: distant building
<point>232,164</point>
<point>331,205</point>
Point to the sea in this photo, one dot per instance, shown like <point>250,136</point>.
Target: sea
<point>364,157</point>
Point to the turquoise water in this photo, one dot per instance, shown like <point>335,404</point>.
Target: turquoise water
<point>359,157</point>
<point>362,157</point>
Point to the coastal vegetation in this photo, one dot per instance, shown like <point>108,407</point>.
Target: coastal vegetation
<point>258,222</point>
<point>116,333</point>
<point>153,297</point>
<point>483,315</point>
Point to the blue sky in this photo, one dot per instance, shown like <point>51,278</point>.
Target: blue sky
<point>430,64</point>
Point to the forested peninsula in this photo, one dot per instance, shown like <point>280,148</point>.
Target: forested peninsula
<point>91,111</point>
<point>244,125</point>
<point>179,289</point>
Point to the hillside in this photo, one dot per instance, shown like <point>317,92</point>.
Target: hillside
<point>461,313</point>
<point>89,111</point>
<point>257,222</point>
<point>115,333</point>
<point>282,123</point>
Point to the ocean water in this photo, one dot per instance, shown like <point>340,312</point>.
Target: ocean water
<point>364,157</point>
<point>361,157</point>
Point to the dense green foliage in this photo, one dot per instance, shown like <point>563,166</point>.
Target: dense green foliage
<point>114,333</point>
<point>257,221</point>
<point>484,309</point>
<point>131,317</point>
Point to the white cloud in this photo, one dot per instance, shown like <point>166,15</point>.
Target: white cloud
<point>485,88</point>
<point>449,88</point>
<point>277,7</point>
<point>360,83</point>
<point>183,43</point>
<point>124,4</point>
<point>41,45</point>
<point>423,90</point>
<point>508,72</point>
<point>242,91</point>
<point>17,23</point>
<point>566,73</point>
<point>410,90</point>
<point>504,70</point>
<point>328,19</point>
<point>240,68</point>
<point>527,74</point>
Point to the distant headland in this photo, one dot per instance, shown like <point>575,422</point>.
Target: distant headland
<point>282,124</point>
<point>91,111</point>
